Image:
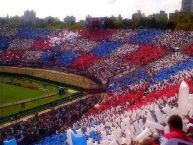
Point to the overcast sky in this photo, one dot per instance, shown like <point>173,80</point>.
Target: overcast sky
<point>81,8</point>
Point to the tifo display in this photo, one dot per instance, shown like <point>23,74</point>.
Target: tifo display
<point>146,76</point>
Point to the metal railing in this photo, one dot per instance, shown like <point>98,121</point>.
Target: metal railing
<point>39,108</point>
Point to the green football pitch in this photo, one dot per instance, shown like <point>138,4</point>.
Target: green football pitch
<point>14,90</point>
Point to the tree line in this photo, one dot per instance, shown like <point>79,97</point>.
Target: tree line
<point>183,21</point>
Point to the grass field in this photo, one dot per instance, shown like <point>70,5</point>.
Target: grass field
<point>11,92</point>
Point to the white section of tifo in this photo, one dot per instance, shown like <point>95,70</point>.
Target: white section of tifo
<point>136,125</point>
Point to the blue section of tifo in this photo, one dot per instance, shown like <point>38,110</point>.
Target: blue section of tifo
<point>95,136</point>
<point>10,142</point>
<point>33,33</point>
<point>125,81</point>
<point>67,57</point>
<point>166,73</point>
<point>59,139</point>
<point>106,48</point>
<point>47,56</point>
<point>145,36</point>
<point>78,139</point>
<point>4,42</point>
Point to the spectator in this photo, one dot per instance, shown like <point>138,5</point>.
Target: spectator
<point>175,126</point>
<point>190,130</point>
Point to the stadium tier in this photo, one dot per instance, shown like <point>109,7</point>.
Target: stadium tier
<point>87,50</point>
<point>140,69</point>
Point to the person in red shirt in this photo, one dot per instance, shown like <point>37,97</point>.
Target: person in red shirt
<point>176,125</point>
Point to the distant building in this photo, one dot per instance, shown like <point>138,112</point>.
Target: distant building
<point>173,16</point>
<point>119,18</point>
<point>163,15</point>
<point>69,20</point>
<point>187,6</point>
<point>51,19</point>
<point>159,16</point>
<point>93,22</point>
<point>137,16</point>
<point>29,16</point>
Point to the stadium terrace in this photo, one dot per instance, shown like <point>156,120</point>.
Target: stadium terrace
<point>146,76</point>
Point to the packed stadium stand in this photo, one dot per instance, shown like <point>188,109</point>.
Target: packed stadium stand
<point>139,69</point>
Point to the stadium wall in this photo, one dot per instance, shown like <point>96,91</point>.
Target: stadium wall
<point>66,78</point>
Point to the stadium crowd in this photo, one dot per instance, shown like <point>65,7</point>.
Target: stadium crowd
<point>120,123</point>
<point>139,68</point>
<point>171,39</point>
<point>37,42</point>
<point>57,120</point>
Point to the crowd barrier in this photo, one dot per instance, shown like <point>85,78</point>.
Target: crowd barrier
<point>66,78</point>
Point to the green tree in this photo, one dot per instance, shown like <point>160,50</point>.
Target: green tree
<point>184,21</point>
